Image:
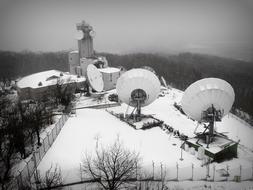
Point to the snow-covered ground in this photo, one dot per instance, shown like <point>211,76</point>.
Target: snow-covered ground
<point>91,128</point>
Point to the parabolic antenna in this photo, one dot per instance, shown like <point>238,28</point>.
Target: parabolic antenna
<point>79,35</point>
<point>207,94</point>
<point>92,33</point>
<point>138,86</point>
<point>95,78</point>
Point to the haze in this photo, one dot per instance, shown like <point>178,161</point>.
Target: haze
<point>218,27</point>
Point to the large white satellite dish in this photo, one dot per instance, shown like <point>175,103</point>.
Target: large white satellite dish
<point>138,86</point>
<point>208,100</point>
<point>95,78</point>
<point>206,93</point>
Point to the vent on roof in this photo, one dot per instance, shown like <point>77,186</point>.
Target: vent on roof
<point>40,84</point>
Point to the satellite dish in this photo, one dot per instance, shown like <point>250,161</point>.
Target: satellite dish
<point>205,94</point>
<point>79,35</point>
<point>138,86</point>
<point>92,33</point>
<point>95,78</point>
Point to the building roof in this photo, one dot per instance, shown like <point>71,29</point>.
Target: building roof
<point>109,70</point>
<point>47,78</point>
<point>74,51</point>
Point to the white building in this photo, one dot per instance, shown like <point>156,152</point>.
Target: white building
<point>37,85</point>
<point>110,77</point>
<point>81,58</point>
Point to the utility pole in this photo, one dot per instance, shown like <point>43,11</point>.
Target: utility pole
<point>161,170</point>
<point>192,170</point>
<point>240,168</point>
<point>227,172</point>
<point>181,157</point>
<point>177,171</point>
<point>153,167</point>
<point>213,172</point>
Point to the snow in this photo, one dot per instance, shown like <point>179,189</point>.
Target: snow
<point>109,70</point>
<point>91,128</point>
<point>33,80</point>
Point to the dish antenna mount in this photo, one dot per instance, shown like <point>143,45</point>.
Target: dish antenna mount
<point>208,100</point>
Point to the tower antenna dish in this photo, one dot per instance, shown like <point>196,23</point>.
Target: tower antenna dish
<point>138,88</point>
<point>79,35</point>
<point>94,78</point>
<point>208,100</point>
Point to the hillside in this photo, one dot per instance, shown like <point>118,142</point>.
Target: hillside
<point>183,69</point>
<point>179,70</point>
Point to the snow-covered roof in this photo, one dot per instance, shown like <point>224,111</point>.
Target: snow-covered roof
<point>74,51</point>
<point>109,70</point>
<point>47,78</point>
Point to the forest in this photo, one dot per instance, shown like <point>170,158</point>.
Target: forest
<point>179,70</point>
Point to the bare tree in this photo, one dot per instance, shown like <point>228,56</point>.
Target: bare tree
<point>64,92</point>
<point>51,180</point>
<point>7,140</point>
<point>112,167</point>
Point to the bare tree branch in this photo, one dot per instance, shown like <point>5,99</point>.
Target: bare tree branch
<point>113,165</point>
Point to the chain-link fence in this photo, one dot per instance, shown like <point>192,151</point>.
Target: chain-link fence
<point>155,175</point>
<point>26,173</point>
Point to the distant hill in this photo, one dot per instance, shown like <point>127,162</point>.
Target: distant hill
<point>13,64</point>
<point>179,70</point>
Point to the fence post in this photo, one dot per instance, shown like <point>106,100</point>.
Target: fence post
<point>208,168</point>
<point>39,153</point>
<point>161,171</point>
<point>48,140</point>
<point>240,169</point>
<point>61,119</point>
<point>56,126</point>
<point>52,134</point>
<point>136,170</point>
<point>192,170</point>
<point>44,145</point>
<point>227,172</point>
<point>177,171</point>
<point>28,172</point>
<point>181,152</point>
<point>252,170</point>
<point>81,174</point>
<point>213,172</point>
<point>153,171</point>
<point>20,177</point>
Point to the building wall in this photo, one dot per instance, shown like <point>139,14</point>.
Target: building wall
<point>38,93</point>
<point>85,47</point>
<point>110,80</point>
<point>74,61</point>
<point>84,64</point>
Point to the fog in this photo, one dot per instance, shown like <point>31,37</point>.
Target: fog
<point>219,27</point>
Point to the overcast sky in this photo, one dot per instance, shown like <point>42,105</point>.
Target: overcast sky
<point>220,27</point>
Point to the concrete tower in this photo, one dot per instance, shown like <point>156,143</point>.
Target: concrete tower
<point>85,44</point>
